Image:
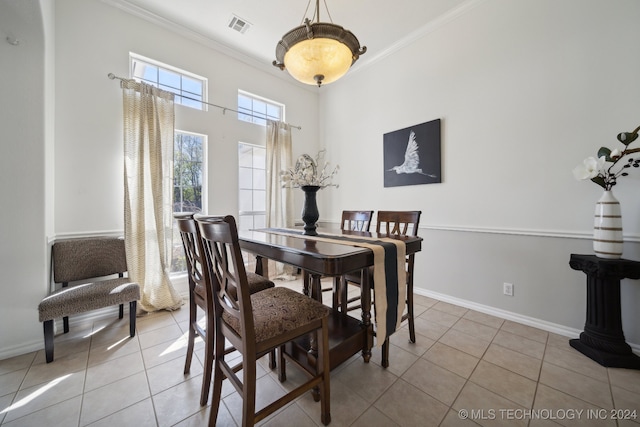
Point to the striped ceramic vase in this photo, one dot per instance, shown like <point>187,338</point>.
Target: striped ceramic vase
<point>607,227</point>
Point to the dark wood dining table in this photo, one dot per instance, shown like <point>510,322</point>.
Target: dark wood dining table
<point>318,259</point>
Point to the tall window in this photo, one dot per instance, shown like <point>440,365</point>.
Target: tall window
<point>189,175</point>
<point>252,179</point>
<point>190,89</point>
<point>255,109</point>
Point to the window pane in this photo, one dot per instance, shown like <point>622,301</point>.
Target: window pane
<point>259,221</point>
<point>191,85</point>
<point>246,201</point>
<point>245,155</point>
<point>169,79</point>
<point>273,112</point>
<point>245,180</point>
<point>259,200</point>
<point>259,179</point>
<point>246,222</point>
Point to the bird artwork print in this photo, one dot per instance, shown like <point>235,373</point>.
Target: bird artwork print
<point>411,159</point>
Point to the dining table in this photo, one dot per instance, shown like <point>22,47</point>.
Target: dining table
<point>330,254</point>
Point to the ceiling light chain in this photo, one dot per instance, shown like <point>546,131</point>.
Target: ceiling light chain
<point>318,52</point>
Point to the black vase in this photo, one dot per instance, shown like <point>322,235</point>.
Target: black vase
<point>310,212</point>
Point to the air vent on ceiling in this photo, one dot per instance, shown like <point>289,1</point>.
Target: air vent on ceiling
<point>239,24</point>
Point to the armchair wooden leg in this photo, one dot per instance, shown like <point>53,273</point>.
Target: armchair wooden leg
<point>385,353</point>
<point>48,340</point>
<point>132,318</point>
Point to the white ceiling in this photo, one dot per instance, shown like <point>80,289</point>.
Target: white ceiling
<point>380,25</point>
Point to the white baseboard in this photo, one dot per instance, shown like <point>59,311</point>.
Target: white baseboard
<point>508,315</point>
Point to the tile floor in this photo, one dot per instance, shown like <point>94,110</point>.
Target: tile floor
<point>495,372</point>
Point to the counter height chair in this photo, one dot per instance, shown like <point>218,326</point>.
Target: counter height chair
<point>257,323</point>
<point>193,250</point>
<point>400,223</point>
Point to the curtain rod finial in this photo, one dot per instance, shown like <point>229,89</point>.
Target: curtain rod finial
<point>111,76</point>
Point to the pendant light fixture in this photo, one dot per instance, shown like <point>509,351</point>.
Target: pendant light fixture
<point>318,52</point>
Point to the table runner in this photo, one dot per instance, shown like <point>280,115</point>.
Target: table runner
<point>389,271</point>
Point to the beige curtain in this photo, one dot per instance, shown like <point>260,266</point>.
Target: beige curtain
<point>148,182</point>
<point>279,200</point>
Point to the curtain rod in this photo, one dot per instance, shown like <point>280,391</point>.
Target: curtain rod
<point>224,109</point>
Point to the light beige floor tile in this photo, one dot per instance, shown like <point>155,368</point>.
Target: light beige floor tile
<point>568,410</point>
<point>346,406</point>
<point>464,342</point>
<point>519,363</point>
<point>520,344</point>
<point>291,416</point>
<point>368,380</point>
<point>483,318</point>
<point>504,383</point>
<point>166,375</point>
<point>401,339</point>
<point>5,403</point>
<point>486,407</point>
<point>559,341</point>
<point>66,413</point>
<point>99,403</point>
<point>140,414</point>
<point>113,370</point>
<point>575,361</point>
<point>43,395</point>
<point>162,335</point>
<point>525,331</point>
<point>10,382</point>
<point>16,363</point>
<point>111,333</point>
<point>440,317</point>
<point>373,418</point>
<point>423,300</point>
<point>40,373</point>
<point>456,419</point>
<point>267,391</point>
<point>575,384</point>
<point>475,329</point>
<point>156,320</point>
<point>170,350</point>
<point>418,309</point>
<point>407,405</point>
<point>454,360</point>
<point>430,329</point>
<point>399,359</point>
<point>105,352</point>
<point>628,379</point>
<point>455,310</point>
<point>437,382</point>
<point>65,349</point>
<point>180,402</point>
<point>626,401</point>
<point>201,418</point>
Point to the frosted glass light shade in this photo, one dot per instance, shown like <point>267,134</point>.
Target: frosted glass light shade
<point>318,57</point>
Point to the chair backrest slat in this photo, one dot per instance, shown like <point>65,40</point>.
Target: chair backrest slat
<point>356,220</point>
<point>88,258</point>
<point>398,222</point>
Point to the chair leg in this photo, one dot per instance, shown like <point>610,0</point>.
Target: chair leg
<point>218,377</point>
<point>272,359</point>
<point>208,368</point>
<point>248,390</point>
<point>323,363</point>
<point>344,301</point>
<point>192,334</point>
<point>385,353</point>
<point>65,324</point>
<point>121,311</point>
<point>132,317</point>
<point>412,327</point>
<point>282,367</point>
<point>48,340</point>
<point>336,292</point>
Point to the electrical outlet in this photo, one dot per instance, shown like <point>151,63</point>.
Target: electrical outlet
<point>507,289</point>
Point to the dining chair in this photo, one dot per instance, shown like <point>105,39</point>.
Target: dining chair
<point>354,221</point>
<point>193,250</point>
<point>400,223</point>
<point>255,324</point>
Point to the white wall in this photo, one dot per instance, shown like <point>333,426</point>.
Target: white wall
<point>24,120</point>
<point>526,90</point>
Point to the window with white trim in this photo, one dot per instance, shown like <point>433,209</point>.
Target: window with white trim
<point>189,184</point>
<point>252,183</point>
<point>255,109</point>
<point>190,89</point>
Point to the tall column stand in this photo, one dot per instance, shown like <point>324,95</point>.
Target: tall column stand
<point>603,339</point>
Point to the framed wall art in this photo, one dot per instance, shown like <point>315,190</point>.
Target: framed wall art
<point>412,155</point>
